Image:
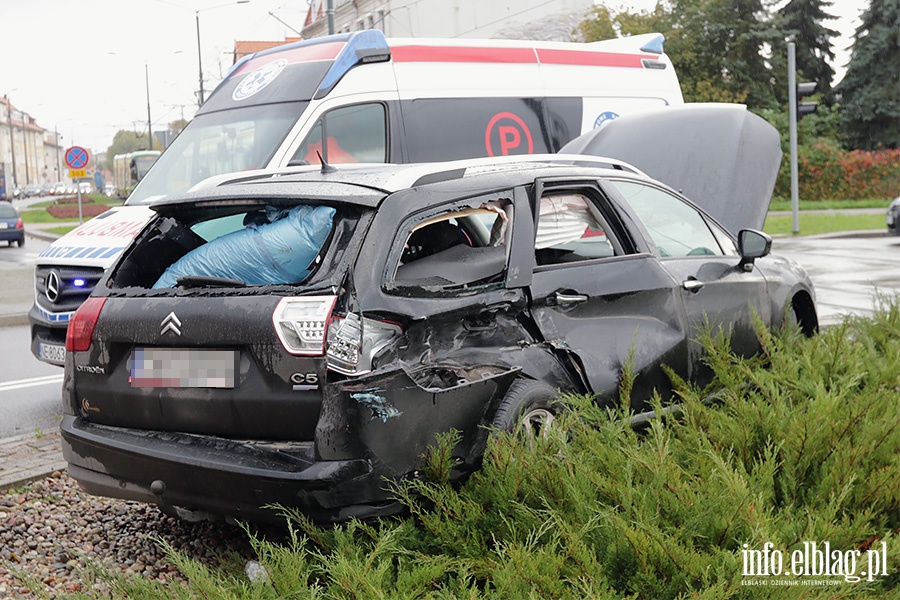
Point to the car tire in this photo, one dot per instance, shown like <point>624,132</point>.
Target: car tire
<point>20,242</point>
<point>529,407</point>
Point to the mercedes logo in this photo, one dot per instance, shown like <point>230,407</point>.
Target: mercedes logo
<point>53,286</point>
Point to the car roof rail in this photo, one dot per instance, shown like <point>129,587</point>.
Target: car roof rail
<point>398,176</point>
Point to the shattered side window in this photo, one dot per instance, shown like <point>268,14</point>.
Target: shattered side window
<point>459,248</point>
<point>570,229</point>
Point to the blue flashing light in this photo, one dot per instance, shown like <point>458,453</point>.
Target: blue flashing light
<point>655,45</point>
<point>363,46</point>
<point>78,282</point>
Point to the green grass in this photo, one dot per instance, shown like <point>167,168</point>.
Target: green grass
<point>803,445</point>
<point>816,223</point>
<point>60,231</point>
<point>785,204</point>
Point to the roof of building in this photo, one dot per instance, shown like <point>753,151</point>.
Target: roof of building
<point>243,48</point>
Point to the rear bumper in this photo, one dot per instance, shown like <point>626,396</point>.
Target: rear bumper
<point>12,234</point>
<point>218,475</point>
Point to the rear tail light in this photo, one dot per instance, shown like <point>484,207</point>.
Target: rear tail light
<point>19,224</point>
<point>301,323</point>
<point>81,328</point>
<point>353,342</point>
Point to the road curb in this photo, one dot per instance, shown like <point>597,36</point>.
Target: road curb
<point>27,458</point>
<point>13,320</point>
<point>41,235</point>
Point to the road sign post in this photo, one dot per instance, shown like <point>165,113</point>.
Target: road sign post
<point>77,159</point>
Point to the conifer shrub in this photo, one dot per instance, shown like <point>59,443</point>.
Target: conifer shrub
<point>802,444</point>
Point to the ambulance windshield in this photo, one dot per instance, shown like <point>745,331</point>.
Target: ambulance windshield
<point>216,143</point>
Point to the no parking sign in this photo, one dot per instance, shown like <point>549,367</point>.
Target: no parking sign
<point>77,157</point>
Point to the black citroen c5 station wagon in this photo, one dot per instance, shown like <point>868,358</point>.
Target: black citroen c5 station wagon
<point>300,338</point>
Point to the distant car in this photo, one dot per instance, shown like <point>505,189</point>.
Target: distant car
<point>11,227</point>
<point>32,189</point>
<point>893,217</point>
<point>86,187</point>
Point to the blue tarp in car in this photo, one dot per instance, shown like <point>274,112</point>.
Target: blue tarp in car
<point>278,252</point>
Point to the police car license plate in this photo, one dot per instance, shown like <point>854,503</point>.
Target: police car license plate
<point>53,353</point>
<point>182,368</point>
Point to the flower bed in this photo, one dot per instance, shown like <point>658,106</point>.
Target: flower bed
<point>70,211</point>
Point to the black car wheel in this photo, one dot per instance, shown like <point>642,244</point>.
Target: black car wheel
<point>529,407</point>
<point>20,242</point>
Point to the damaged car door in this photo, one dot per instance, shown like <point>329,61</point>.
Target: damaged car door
<point>718,294</point>
<point>600,298</point>
<point>441,272</point>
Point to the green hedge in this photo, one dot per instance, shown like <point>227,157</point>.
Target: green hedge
<point>826,172</point>
<point>802,447</point>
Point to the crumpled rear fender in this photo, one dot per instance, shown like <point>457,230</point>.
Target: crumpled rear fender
<point>391,416</point>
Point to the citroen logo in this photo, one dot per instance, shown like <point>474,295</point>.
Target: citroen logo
<point>53,286</point>
<point>170,324</point>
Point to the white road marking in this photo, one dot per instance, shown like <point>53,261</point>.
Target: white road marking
<point>8,386</point>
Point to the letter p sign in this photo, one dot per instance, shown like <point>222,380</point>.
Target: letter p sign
<point>504,136</point>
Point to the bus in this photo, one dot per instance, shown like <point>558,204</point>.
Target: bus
<point>130,168</point>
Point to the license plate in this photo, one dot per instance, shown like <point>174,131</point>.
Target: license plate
<point>52,353</point>
<point>182,368</point>
<point>3,224</point>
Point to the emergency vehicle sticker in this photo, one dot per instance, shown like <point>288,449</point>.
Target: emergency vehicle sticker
<point>255,81</point>
<point>603,117</point>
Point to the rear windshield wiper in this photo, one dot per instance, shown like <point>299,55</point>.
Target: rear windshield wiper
<point>190,281</point>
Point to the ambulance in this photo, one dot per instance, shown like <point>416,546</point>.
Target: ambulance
<point>363,98</point>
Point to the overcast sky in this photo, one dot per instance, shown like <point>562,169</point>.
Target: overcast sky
<point>79,65</point>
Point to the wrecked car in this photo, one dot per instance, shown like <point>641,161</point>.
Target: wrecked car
<point>301,338</point>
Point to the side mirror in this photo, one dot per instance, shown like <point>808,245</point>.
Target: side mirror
<point>752,244</point>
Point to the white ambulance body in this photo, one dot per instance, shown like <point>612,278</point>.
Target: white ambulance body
<point>363,98</point>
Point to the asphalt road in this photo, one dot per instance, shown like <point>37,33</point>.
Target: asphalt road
<point>29,389</point>
<point>848,271</point>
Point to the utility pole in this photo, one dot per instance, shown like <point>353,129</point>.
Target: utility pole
<point>25,140</point>
<point>330,12</point>
<point>199,60</point>
<point>149,128</point>
<point>12,142</point>
<point>792,112</point>
<point>58,164</point>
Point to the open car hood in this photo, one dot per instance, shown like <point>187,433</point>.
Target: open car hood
<point>721,156</point>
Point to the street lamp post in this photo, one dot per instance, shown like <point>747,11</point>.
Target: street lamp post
<point>201,98</point>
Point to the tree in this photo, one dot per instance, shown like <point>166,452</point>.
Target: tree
<point>870,90</point>
<point>124,142</point>
<point>717,46</point>
<point>801,22</point>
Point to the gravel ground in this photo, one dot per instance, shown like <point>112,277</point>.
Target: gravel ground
<point>52,530</point>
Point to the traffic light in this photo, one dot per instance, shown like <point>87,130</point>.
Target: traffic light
<point>805,108</point>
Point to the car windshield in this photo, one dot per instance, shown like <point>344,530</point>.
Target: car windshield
<point>7,212</point>
<point>215,143</point>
